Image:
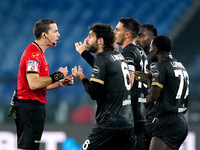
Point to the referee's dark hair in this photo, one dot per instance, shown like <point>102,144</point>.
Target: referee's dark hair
<point>132,25</point>
<point>151,28</point>
<point>40,26</point>
<point>162,43</point>
<point>106,32</point>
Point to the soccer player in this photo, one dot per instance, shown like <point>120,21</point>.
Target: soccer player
<point>146,34</point>
<point>126,31</point>
<point>33,81</point>
<point>168,97</point>
<point>110,86</point>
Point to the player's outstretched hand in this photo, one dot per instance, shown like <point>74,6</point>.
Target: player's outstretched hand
<point>78,72</point>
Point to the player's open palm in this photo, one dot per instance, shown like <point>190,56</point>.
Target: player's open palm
<point>78,72</point>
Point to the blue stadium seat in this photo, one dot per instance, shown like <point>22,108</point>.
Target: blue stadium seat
<point>73,17</point>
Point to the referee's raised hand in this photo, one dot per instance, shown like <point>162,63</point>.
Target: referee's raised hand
<point>64,70</point>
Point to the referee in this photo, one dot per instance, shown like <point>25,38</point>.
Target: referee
<point>33,81</point>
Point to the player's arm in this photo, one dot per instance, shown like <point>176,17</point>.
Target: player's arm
<point>154,92</point>
<point>88,57</point>
<point>131,68</point>
<point>81,49</point>
<point>94,89</point>
<point>132,77</point>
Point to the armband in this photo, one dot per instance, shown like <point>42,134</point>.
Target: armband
<point>56,76</point>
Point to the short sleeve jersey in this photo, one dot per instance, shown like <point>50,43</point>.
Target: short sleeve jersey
<point>137,60</point>
<point>114,105</point>
<point>173,78</point>
<point>33,61</point>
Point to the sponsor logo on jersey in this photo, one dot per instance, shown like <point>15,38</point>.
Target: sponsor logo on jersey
<point>142,100</point>
<point>126,102</point>
<point>155,73</point>
<point>32,65</point>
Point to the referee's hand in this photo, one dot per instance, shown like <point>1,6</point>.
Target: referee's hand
<point>64,71</point>
<point>69,80</point>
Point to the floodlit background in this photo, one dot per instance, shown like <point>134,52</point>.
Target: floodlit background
<point>71,107</point>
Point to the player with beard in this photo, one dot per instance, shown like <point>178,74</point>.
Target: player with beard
<point>110,86</point>
<point>126,31</point>
<point>146,34</point>
<point>144,38</point>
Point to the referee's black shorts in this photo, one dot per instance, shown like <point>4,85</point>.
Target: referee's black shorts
<point>171,129</point>
<point>110,139</point>
<point>29,119</point>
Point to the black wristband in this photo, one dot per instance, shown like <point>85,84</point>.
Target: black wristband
<point>56,76</point>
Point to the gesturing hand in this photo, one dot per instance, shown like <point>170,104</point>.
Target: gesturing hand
<point>64,71</point>
<point>80,47</point>
<point>67,81</point>
<point>78,73</point>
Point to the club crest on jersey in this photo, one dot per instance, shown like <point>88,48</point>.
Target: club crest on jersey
<point>32,66</point>
<point>155,73</point>
<point>96,69</point>
<point>34,55</point>
<point>152,66</point>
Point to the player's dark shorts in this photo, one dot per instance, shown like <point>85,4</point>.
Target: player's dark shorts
<point>139,131</point>
<point>171,129</point>
<point>29,119</point>
<point>107,139</point>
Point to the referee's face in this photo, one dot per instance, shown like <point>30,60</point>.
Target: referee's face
<point>53,35</point>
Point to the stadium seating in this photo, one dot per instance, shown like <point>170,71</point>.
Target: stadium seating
<point>73,18</point>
